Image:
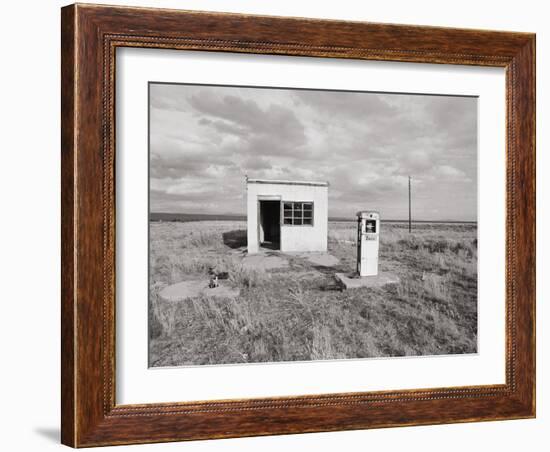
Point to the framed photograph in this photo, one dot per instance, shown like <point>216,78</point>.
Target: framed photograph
<point>282,225</point>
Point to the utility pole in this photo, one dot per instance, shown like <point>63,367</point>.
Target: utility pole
<point>409,204</point>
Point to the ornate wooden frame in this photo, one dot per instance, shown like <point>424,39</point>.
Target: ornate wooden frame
<point>90,35</point>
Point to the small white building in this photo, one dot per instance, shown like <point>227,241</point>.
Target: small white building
<point>287,215</point>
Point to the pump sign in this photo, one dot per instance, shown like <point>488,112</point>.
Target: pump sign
<point>368,231</point>
<point>370,226</point>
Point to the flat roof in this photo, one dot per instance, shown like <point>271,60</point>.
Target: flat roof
<point>310,183</point>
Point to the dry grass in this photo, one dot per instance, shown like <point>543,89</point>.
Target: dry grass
<point>296,314</point>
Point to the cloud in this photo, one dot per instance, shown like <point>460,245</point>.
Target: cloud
<point>256,163</point>
<point>245,114</point>
<point>205,139</point>
<point>347,104</point>
<point>224,127</point>
<point>450,172</point>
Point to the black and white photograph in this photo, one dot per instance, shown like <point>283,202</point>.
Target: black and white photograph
<point>300,225</point>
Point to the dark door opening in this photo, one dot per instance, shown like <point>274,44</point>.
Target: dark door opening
<point>270,224</point>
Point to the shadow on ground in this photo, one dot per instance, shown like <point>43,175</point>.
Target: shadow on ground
<point>50,433</point>
<point>235,239</point>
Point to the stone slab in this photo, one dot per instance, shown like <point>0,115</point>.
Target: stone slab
<point>264,262</point>
<point>196,288</point>
<point>354,281</point>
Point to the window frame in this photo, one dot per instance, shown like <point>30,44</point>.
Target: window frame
<point>312,224</point>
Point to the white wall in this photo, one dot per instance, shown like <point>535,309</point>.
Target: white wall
<point>30,228</point>
<point>293,238</point>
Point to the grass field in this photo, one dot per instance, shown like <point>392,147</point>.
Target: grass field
<point>298,313</point>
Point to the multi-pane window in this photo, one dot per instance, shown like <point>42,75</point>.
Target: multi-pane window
<point>298,213</point>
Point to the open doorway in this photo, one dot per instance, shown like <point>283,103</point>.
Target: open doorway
<point>270,225</point>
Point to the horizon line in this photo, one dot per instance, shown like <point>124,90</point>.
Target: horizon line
<point>333,218</point>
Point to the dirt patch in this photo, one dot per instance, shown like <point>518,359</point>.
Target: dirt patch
<point>196,288</point>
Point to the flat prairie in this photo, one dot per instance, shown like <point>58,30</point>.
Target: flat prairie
<point>298,312</point>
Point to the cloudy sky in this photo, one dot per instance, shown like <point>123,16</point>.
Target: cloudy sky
<point>205,139</point>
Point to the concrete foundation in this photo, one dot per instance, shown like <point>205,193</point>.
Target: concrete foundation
<point>262,262</point>
<point>354,281</point>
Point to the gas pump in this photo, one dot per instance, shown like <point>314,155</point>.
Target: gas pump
<point>368,231</point>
